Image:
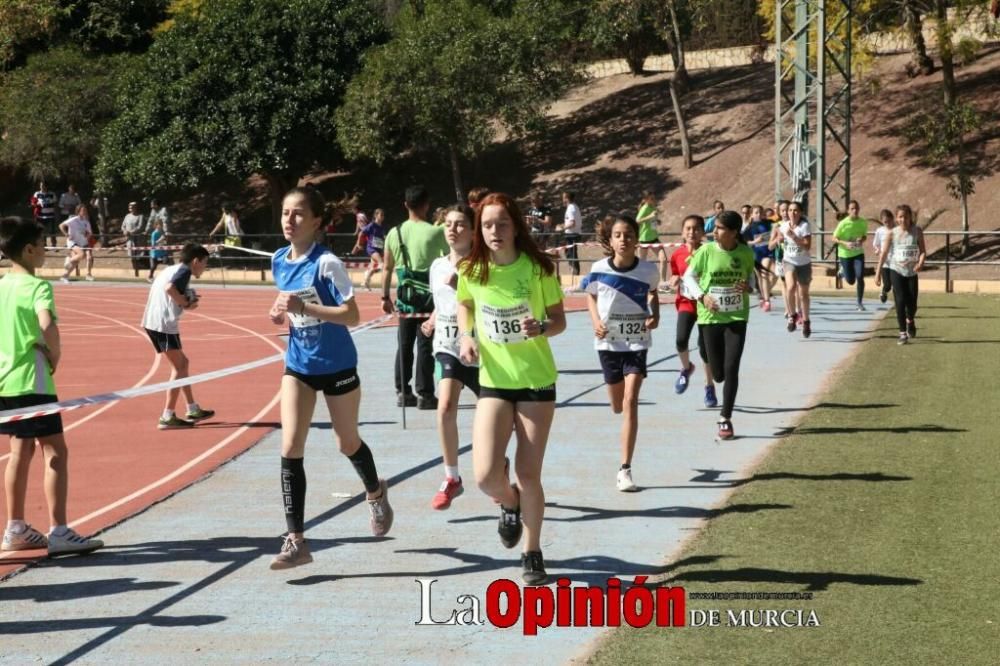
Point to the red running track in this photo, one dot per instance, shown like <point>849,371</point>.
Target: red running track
<point>119,463</point>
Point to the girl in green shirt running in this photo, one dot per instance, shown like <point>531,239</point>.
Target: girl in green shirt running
<point>648,233</point>
<point>508,290</point>
<point>718,277</point>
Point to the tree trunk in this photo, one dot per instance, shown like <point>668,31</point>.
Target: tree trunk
<point>681,125</point>
<point>456,173</point>
<point>913,25</point>
<point>682,82</point>
<point>945,51</point>
<point>277,185</point>
<point>965,223</point>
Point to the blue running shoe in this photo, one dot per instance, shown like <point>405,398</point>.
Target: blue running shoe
<point>710,399</point>
<point>681,384</point>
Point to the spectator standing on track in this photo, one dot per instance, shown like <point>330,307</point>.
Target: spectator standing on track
<point>169,296</point>
<point>317,300</point>
<point>100,206</point>
<point>571,227</point>
<point>411,248</point>
<point>68,201</point>
<point>161,213</point>
<point>30,351</point>
<point>539,217</point>
<point>133,228</point>
<point>156,256</point>
<point>43,206</point>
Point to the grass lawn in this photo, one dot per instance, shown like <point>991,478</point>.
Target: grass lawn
<point>894,480</point>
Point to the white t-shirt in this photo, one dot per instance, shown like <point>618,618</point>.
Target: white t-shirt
<point>880,235</point>
<point>446,333</point>
<point>162,313</point>
<point>68,203</point>
<point>622,303</point>
<point>793,253</point>
<point>233,227</point>
<point>573,219</point>
<point>78,229</point>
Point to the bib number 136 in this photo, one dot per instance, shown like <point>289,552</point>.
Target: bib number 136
<point>502,325</point>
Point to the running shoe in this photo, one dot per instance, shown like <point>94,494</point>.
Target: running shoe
<point>791,324</point>
<point>450,489</point>
<point>725,429</point>
<point>29,539</point>
<point>70,542</point>
<point>510,526</point>
<point>710,399</point>
<point>625,483</point>
<point>911,329</point>
<point>200,415</point>
<point>861,307</point>
<point>903,338</point>
<point>883,296</point>
<point>64,280</point>
<point>806,328</point>
<point>681,384</point>
<point>174,423</point>
<point>408,398</point>
<point>90,278</point>
<point>293,553</point>
<point>533,568</point>
<point>381,511</point>
<point>149,280</point>
<point>766,306</point>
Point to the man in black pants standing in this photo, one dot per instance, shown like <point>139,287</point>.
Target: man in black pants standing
<point>410,249</point>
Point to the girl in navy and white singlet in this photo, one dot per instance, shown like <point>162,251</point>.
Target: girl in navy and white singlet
<point>624,308</point>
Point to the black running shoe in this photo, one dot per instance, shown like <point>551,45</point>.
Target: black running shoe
<point>806,328</point>
<point>911,329</point>
<point>510,526</point>
<point>884,296</point>
<point>533,568</point>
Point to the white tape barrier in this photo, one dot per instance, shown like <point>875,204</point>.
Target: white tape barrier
<point>67,405</point>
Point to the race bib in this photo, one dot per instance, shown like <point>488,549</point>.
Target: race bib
<point>503,325</point>
<point>446,333</point>
<point>308,295</point>
<point>853,245</point>
<point>792,250</point>
<point>905,254</point>
<point>378,243</point>
<point>627,327</point>
<point>729,299</point>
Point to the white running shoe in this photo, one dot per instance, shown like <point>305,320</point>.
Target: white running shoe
<point>28,539</point>
<point>625,483</point>
<point>71,542</point>
<point>64,280</point>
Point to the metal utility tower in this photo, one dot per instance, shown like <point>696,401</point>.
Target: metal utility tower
<point>813,42</point>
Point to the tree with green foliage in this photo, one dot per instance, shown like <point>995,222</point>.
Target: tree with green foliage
<point>244,87</point>
<point>52,112</point>
<point>627,29</point>
<point>451,77</point>
<point>111,26</point>
<point>22,21</point>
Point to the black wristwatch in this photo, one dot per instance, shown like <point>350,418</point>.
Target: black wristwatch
<point>541,327</point>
